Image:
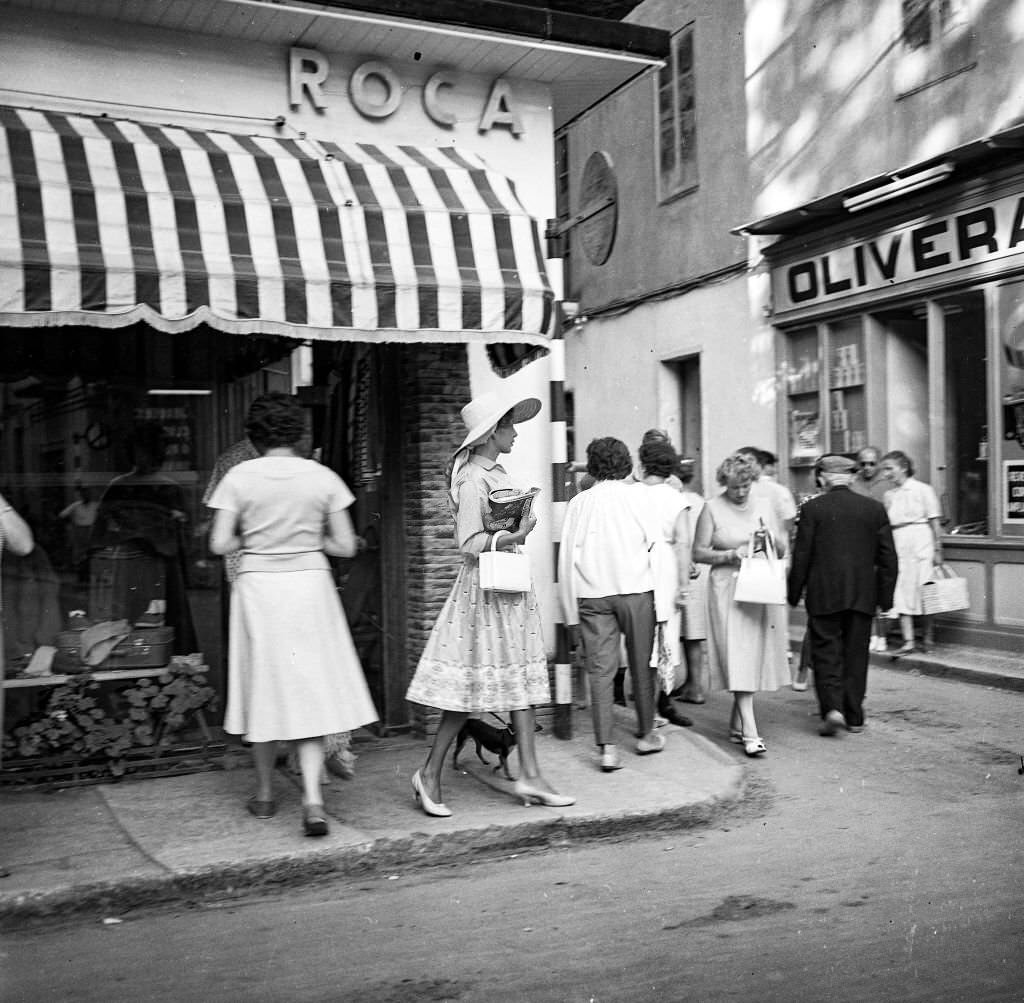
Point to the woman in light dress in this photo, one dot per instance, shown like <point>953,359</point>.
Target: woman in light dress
<point>658,463</point>
<point>293,671</point>
<point>915,516</point>
<point>486,651</point>
<point>746,642</point>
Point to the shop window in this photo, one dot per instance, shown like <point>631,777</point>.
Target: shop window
<point>107,440</point>
<point>965,499</point>
<point>802,377</point>
<point>935,43</point>
<point>677,119</point>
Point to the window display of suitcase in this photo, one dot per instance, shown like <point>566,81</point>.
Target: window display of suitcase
<point>143,648</point>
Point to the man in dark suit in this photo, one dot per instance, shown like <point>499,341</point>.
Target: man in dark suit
<point>845,559</point>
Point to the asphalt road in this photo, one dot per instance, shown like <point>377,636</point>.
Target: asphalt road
<point>881,866</point>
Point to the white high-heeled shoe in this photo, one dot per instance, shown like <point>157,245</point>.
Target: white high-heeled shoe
<point>534,795</point>
<point>435,808</point>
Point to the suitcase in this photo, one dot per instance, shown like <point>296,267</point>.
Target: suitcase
<point>143,648</point>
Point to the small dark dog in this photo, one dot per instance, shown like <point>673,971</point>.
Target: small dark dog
<point>500,741</point>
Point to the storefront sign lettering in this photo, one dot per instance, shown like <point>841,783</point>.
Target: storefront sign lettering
<point>376,92</point>
<point>903,254</point>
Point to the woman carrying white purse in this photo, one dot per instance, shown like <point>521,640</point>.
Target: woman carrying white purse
<point>747,642</point>
<point>486,651</point>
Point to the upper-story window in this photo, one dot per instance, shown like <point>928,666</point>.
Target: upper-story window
<point>926,21</point>
<point>677,119</point>
<point>936,43</point>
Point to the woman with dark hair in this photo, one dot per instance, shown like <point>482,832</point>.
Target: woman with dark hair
<point>915,515</point>
<point>747,642</point>
<point>486,652</point>
<point>610,583</point>
<point>293,671</point>
<point>659,462</point>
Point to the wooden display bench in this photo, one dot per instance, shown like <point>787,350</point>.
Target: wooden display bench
<point>157,760</point>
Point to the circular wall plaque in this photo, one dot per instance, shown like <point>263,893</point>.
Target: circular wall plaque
<point>599,208</point>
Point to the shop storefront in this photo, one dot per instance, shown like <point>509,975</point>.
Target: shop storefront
<point>899,323</point>
<point>174,242</point>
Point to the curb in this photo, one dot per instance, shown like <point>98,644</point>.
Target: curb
<point>947,670</point>
<point>393,854</point>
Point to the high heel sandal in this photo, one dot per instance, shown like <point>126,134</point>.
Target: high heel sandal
<point>754,745</point>
<point>907,648</point>
<point>435,808</point>
<point>534,795</point>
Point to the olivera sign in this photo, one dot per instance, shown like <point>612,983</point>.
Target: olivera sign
<point>376,92</point>
<point>915,251</point>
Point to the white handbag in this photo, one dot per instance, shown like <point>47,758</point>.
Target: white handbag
<point>762,576</point>
<point>504,570</point>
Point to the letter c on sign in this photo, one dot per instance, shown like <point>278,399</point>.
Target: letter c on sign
<point>431,98</point>
<point>364,101</point>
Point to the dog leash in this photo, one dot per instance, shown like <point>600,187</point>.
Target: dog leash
<point>506,724</point>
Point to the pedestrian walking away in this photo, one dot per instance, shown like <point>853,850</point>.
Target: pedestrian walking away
<point>293,671</point>
<point>485,653</point>
<point>844,563</point>
<point>611,583</point>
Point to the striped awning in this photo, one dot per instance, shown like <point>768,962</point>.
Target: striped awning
<point>109,222</point>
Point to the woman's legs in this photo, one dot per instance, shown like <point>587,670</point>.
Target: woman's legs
<point>907,628</point>
<point>264,758</point>
<point>310,753</point>
<point>430,775</point>
<point>743,712</point>
<point>525,725</point>
<point>692,691</point>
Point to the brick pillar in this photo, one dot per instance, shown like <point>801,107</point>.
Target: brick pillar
<point>435,386</point>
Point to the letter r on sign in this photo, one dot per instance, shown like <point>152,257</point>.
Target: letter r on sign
<point>307,68</point>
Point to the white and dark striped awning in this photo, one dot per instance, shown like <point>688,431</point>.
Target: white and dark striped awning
<point>109,222</point>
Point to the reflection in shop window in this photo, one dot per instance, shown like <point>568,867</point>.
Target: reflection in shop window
<point>965,502</point>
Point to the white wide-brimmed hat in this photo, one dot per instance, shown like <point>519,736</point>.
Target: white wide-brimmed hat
<point>482,414</point>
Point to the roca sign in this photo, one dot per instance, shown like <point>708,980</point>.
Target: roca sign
<point>935,246</point>
<point>376,92</point>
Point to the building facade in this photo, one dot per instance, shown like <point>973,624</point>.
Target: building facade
<point>868,154</point>
<point>203,201</point>
<point>884,152</point>
<point>650,182</point>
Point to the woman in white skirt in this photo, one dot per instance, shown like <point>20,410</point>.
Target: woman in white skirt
<point>293,671</point>
<point>486,651</point>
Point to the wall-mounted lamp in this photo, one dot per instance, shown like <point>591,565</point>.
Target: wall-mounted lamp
<point>899,187</point>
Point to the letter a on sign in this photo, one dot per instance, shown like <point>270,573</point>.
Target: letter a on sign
<point>307,68</point>
<point>499,109</point>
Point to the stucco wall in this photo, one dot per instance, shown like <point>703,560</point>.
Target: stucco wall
<point>623,386</point>
<point>834,98</point>
<point>659,244</point>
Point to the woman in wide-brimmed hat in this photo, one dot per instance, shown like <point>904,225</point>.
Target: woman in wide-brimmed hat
<point>486,651</point>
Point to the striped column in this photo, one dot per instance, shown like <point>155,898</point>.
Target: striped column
<point>559,463</point>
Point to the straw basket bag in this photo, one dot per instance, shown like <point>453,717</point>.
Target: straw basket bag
<point>945,593</point>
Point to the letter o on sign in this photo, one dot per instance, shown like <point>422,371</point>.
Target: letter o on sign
<point>368,103</point>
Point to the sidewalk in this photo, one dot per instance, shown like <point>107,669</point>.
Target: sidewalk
<point>105,849</point>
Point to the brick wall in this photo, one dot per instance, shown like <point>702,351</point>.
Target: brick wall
<point>435,386</point>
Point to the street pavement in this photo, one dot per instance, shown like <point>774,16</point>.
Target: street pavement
<point>107,848</point>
